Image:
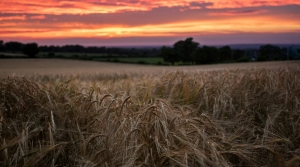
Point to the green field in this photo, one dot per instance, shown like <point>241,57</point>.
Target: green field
<point>12,54</point>
<point>136,60</point>
<point>96,57</point>
<point>60,54</point>
<point>70,54</point>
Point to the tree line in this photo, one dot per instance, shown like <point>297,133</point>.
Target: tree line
<point>184,51</point>
<point>32,49</point>
<point>189,52</point>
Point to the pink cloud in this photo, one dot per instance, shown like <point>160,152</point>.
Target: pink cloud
<point>21,17</point>
<point>237,12</point>
<point>114,6</point>
<point>38,17</point>
<point>111,19</point>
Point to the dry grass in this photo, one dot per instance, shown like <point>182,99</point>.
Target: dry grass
<point>234,117</point>
<point>28,67</point>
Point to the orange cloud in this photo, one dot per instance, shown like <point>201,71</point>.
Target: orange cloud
<point>251,3</point>
<point>113,6</point>
<point>64,7</point>
<point>237,12</point>
<point>21,17</point>
<point>250,24</point>
<point>60,19</point>
<point>38,17</point>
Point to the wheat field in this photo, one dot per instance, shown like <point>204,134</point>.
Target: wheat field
<point>94,114</point>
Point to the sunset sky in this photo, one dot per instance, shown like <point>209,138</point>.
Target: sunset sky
<point>150,22</point>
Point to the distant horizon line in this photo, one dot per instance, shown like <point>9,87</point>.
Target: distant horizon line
<point>155,46</point>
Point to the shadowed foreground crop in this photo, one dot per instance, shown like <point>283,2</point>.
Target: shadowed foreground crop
<point>215,118</point>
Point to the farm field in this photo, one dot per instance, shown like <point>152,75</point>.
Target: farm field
<point>64,54</point>
<point>17,54</point>
<point>70,54</point>
<point>79,113</point>
<point>136,60</point>
<point>30,67</point>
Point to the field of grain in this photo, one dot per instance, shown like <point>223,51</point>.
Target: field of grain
<point>75,113</point>
<point>29,67</point>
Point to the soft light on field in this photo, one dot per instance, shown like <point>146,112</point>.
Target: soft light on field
<point>219,115</point>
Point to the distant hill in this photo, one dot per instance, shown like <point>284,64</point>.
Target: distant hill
<point>233,46</point>
<point>256,46</point>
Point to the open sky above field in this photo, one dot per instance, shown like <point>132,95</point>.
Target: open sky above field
<point>148,22</point>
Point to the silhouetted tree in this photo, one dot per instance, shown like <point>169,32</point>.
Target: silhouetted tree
<point>131,52</point>
<point>169,55</point>
<point>284,50</point>
<point>51,54</point>
<point>206,55</point>
<point>293,53</point>
<point>285,53</point>
<point>73,48</point>
<point>269,52</point>
<point>238,53</point>
<point>13,46</point>
<point>1,45</point>
<point>30,49</point>
<point>185,49</point>
<point>225,53</point>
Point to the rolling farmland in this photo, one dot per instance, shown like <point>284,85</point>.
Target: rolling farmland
<point>78,113</point>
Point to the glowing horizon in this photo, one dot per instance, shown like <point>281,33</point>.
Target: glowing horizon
<point>144,19</point>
